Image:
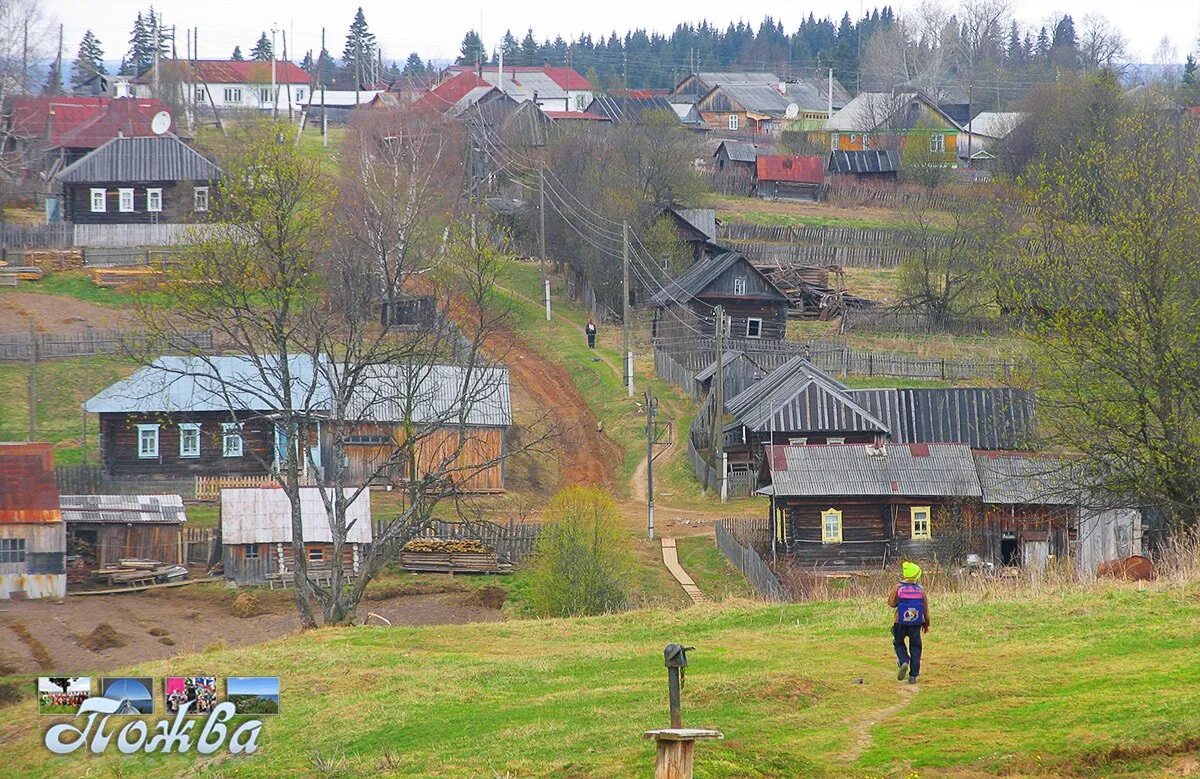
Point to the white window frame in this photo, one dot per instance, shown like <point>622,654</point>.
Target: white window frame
<point>233,95</point>
<point>99,198</point>
<point>125,200</point>
<point>739,285</point>
<point>154,201</point>
<point>831,534</point>
<point>921,519</point>
<point>937,143</point>
<point>143,452</point>
<point>798,441</point>
<point>231,433</point>
<point>200,199</point>
<point>189,431</point>
<point>733,121</point>
<point>760,327</point>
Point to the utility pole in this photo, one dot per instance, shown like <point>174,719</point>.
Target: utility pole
<point>831,93</point>
<point>625,305</point>
<point>274,86</point>
<point>541,224</point>
<point>651,404</point>
<point>31,385</point>
<point>970,125</point>
<point>718,439</point>
<point>321,80</point>
<point>58,62</point>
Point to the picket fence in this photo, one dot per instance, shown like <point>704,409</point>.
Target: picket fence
<point>830,236</point>
<point>734,541</point>
<point>22,236</point>
<point>88,342</point>
<point>845,256</point>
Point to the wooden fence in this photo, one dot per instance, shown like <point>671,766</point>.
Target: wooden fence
<point>846,256</point>
<point>512,542</point>
<point>731,181</point>
<point>733,541</point>
<point>90,479</point>
<point>21,236</point>
<point>201,545</point>
<point>87,342</point>
<point>164,234</point>
<point>891,320</point>
<point>830,236</point>
<point>209,487</point>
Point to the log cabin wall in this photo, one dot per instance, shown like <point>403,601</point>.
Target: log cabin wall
<point>119,446</point>
<point>482,445</point>
<point>277,558</point>
<point>178,202</point>
<point>114,542</point>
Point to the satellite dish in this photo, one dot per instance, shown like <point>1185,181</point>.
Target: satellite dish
<point>160,123</point>
<point>792,111</point>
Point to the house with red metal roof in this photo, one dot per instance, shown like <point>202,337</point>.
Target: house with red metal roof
<point>62,129</point>
<point>232,85</point>
<point>33,539</point>
<point>789,176</point>
<point>551,88</point>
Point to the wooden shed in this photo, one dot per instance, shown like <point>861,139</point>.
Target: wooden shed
<point>754,307</point>
<point>103,529</point>
<point>32,539</point>
<point>256,534</point>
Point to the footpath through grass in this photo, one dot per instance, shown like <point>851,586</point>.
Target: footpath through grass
<point>1095,684</point>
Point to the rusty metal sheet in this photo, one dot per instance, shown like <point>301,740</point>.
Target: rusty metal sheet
<point>28,484</point>
<point>32,585</point>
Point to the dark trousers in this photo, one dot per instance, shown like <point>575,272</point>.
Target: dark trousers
<point>912,653</point>
<point>591,340</point>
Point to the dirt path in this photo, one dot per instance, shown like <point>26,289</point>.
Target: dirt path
<point>860,735</point>
<point>56,312</point>
<point>670,556</point>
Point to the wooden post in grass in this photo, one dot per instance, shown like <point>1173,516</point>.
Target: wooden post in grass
<point>675,749</point>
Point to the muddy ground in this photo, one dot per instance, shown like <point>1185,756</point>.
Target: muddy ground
<point>55,313</point>
<point>37,636</point>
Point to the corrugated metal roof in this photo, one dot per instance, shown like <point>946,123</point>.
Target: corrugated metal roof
<point>704,220</point>
<point>264,516</point>
<point>851,470</point>
<point>726,359</point>
<point>433,394</point>
<point>156,158</point>
<point>982,418</point>
<point>28,484</point>
<point>629,108</point>
<point>214,383</point>
<point>870,161</point>
<point>792,373</point>
<point>802,169</point>
<point>738,151</point>
<point>696,279</point>
<point>1026,480</point>
<point>230,382</point>
<point>775,98</point>
<point>124,509</point>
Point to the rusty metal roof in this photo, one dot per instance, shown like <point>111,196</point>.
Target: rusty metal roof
<point>28,484</point>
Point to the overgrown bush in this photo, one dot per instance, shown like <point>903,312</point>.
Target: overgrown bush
<point>583,563</point>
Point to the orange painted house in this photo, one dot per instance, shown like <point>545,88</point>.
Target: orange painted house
<point>882,120</point>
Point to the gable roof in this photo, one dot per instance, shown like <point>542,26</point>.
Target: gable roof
<point>870,110</point>
<point>1025,480</point>
<point>702,220</point>
<point>632,108</point>
<point>772,99</point>
<point>122,117</point>
<point>462,89</point>
<point>556,78</point>
<point>802,398</point>
<point>424,393</point>
<point>869,161</point>
<point>796,370</point>
<point>230,72</point>
<point>852,470</point>
<point>264,515</point>
<point>801,169</point>
<point>124,509</point>
<point>698,277</point>
<point>52,118</point>
<point>727,359</point>
<point>738,151</point>
<point>156,158</point>
<point>996,124</point>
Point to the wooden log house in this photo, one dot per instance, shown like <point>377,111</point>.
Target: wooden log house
<point>754,307</point>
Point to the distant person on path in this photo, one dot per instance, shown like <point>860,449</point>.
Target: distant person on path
<point>590,329</point>
<point>912,618</point>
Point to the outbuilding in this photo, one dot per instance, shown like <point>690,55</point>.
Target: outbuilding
<point>103,529</point>
<point>32,537</point>
<point>256,534</point>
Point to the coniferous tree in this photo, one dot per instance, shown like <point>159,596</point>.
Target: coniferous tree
<point>140,55</point>
<point>529,49</point>
<point>471,50</point>
<point>262,50</point>
<point>360,46</point>
<point>414,66</point>
<point>510,47</point>
<point>308,64</point>
<point>89,61</point>
<point>53,84</point>
<point>237,54</point>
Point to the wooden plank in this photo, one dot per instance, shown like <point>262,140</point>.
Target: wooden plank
<point>122,590</point>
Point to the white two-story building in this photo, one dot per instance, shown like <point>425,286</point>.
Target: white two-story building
<point>231,85</point>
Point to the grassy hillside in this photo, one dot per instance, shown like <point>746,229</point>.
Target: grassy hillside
<point>1097,684</point>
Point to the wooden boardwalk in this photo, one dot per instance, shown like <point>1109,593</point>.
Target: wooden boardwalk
<point>671,559</point>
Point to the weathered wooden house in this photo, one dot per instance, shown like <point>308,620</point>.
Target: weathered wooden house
<point>695,227</point>
<point>256,534</point>
<point>736,157</point>
<point>103,529</point>
<point>213,417</point>
<point>158,179</point>
<point>754,307</point>
<point>864,506</point>
<point>739,371</point>
<point>32,536</point>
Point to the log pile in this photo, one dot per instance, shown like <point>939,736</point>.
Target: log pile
<point>808,289</point>
<point>54,260</point>
<point>121,277</point>
<point>454,555</point>
<point>446,545</point>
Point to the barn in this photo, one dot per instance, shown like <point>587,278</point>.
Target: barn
<point>789,177</point>
<point>103,529</point>
<point>256,534</point>
<point>32,537</point>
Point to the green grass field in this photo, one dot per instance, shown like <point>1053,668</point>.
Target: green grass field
<point>1101,683</point>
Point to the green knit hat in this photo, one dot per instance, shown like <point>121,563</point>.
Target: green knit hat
<point>910,572</point>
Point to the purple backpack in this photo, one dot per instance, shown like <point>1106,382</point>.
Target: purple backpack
<point>910,604</point>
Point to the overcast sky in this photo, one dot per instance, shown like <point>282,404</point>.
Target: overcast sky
<point>435,29</point>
